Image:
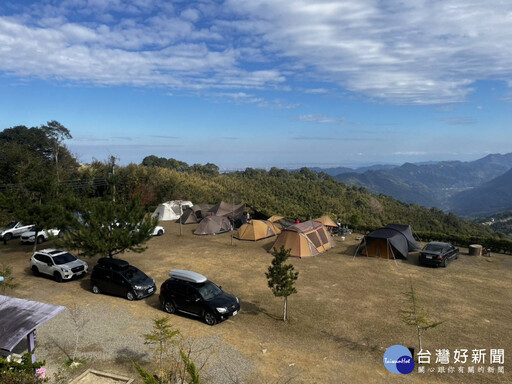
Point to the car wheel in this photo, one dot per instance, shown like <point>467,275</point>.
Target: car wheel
<point>40,239</point>
<point>95,289</point>
<point>160,232</point>
<point>57,277</point>
<point>35,270</point>
<point>8,236</point>
<point>130,295</point>
<point>444,263</point>
<point>169,307</point>
<point>210,318</point>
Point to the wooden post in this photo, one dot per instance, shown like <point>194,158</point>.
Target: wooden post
<point>31,345</point>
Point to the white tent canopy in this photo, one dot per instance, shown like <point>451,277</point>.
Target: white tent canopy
<point>171,210</point>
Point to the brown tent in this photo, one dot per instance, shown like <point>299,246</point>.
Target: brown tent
<point>305,239</point>
<point>275,218</point>
<point>188,217</point>
<point>257,230</point>
<point>202,210</point>
<point>327,221</point>
<point>213,225</point>
<point>233,211</point>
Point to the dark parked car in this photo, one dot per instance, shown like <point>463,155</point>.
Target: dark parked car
<point>118,277</point>
<point>194,294</point>
<point>438,254</point>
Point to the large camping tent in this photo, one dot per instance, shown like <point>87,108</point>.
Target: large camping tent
<point>171,210</point>
<point>213,225</point>
<point>327,221</point>
<point>393,241</point>
<point>233,211</point>
<point>188,217</point>
<point>257,230</point>
<point>202,210</point>
<point>304,239</point>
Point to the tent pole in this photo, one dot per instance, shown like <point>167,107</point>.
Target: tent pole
<point>357,250</point>
<point>394,258</point>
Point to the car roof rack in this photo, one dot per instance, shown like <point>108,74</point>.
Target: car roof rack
<point>113,263</point>
<point>193,277</point>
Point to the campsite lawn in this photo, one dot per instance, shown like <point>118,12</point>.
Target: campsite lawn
<point>343,318</point>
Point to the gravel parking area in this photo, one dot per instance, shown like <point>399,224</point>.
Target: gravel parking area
<point>113,334</point>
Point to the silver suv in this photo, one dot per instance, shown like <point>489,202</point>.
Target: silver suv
<point>61,265</point>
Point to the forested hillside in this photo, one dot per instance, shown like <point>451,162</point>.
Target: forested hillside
<point>53,186</point>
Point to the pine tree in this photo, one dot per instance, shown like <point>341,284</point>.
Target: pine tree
<point>417,316</point>
<point>281,277</point>
<point>109,227</point>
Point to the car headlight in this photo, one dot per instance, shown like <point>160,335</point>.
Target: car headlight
<point>138,287</point>
<point>63,269</point>
<point>238,301</point>
<point>222,310</point>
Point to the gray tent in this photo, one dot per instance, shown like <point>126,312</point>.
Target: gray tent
<point>393,241</point>
<point>213,225</point>
<point>188,217</point>
<point>406,230</point>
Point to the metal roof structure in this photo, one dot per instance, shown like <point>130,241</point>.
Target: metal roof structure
<point>19,318</point>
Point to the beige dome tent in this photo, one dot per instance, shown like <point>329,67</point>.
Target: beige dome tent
<point>213,225</point>
<point>305,239</point>
<point>327,221</point>
<point>171,210</point>
<point>257,230</point>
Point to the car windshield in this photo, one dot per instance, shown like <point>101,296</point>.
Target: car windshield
<point>134,275</point>
<point>209,290</point>
<point>11,225</point>
<point>64,258</point>
<point>433,248</point>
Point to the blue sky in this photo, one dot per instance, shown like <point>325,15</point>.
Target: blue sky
<point>255,83</point>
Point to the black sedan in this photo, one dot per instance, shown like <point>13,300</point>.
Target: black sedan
<point>438,254</point>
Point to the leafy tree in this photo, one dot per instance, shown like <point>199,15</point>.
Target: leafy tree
<point>12,372</point>
<point>415,315</point>
<point>174,367</point>
<point>162,337</point>
<point>8,282</point>
<point>281,277</point>
<point>108,228</point>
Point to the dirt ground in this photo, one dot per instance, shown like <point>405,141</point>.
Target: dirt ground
<point>343,318</point>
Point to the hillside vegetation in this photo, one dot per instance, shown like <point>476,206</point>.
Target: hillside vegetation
<point>53,182</point>
<point>301,194</point>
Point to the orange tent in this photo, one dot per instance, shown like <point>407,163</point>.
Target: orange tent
<point>305,239</point>
<point>257,230</point>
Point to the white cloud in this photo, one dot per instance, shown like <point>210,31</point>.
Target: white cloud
<point>414,52</point>
<point>420,52</point>
<point>318,118</point>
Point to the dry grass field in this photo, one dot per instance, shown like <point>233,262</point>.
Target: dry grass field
<point>343,318</point>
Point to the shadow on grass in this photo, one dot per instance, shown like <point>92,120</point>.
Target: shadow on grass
<point>254,309</point>
<point>124,355</point>
<point>345,342</point>
<point>268,246</point>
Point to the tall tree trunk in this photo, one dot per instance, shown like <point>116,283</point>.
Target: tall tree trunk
<point>285,309</point>
<point>419,337</point>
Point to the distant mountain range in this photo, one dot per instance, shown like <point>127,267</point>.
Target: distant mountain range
<point>490,197</point>
<point>473,188</point>
<point>339,170</point>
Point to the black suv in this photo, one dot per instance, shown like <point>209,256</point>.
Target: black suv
<point>192,293</point>
<point>118,277</point>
